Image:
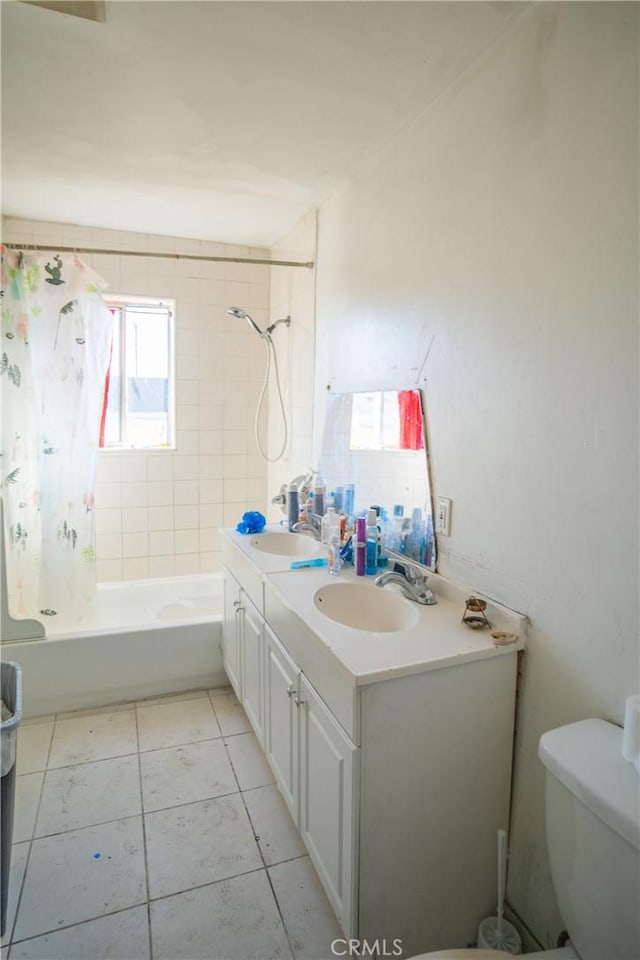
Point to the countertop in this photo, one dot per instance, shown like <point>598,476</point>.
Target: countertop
<point>436,639</point>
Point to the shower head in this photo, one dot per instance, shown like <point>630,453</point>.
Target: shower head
<point>243,315</point>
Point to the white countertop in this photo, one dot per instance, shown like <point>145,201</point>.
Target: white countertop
<point>437,638</point>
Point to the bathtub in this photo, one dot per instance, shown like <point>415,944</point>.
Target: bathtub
<point>145,638</point>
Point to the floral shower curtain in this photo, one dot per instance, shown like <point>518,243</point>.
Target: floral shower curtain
<point>56,340</point>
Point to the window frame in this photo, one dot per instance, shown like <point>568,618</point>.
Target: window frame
<point>121,302</point>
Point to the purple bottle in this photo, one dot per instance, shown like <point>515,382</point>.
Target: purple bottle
<point>361,545</point>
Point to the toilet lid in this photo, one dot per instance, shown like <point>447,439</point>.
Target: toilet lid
<point>468,953</point>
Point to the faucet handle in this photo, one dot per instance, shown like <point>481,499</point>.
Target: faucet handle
<point>411,571</point>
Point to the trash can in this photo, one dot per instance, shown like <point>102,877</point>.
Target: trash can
<point>11,692</point>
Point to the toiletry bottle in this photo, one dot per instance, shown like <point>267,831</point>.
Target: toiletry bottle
<point>383,526</point>
<point>349,501</point>
<point>371,563</point>
<point>397,524</point>
<point>330,520</point>
<point>311,505</point>
<point>319,496</point>
<point>335,561</point>
<point>339,499</point>
<point>361,545</point>
<point>293,508</point>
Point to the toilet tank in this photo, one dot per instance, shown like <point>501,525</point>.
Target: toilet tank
<point>593,837</point>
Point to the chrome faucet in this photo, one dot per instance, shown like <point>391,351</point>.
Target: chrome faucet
<point>313,525</point>
<point>411,581</point>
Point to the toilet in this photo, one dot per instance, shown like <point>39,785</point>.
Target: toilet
<point>592,808</point>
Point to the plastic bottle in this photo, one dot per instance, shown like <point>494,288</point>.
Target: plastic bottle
<point>349,501</point>
<point>311,505</point>
<point>371,563</point>
<point>330,520</point>
<point>293,507</point>
<point>335,561</point>
<point>339,499</point>
<point>361,545</point>
<point>395,540</point>
<point>318,491</point>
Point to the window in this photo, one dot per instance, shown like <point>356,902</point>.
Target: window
<point>138,411</point>
<point>387,421</point>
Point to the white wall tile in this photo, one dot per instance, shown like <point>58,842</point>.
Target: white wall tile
<point>186,468</point>
<point>135,544</point>
<point>210,491</point>
<point>187,541</point>
<point>134,519</point>
<point>185,492</point>
<point>133,467</point>
<point>135,494</point>
<point>109,546</point>
<point>160,493</point>
<point>160,518</point>
<point>136,568</point>
<point>161,543</point>
<point>185,517</point>
<point>160,466</point>
<point>162,566</point>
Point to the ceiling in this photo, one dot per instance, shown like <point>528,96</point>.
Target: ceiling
<point>216,120</point>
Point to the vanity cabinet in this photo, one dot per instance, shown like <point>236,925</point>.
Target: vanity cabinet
<point>397,776</point>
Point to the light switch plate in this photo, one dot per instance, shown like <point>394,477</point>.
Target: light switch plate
<point>443,517</point>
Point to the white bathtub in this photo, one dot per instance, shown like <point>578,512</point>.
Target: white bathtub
<point>147,637</point>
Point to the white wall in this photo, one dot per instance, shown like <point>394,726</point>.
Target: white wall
<point>158,513</point>
<point>500,228</point>
<point>293,293</point>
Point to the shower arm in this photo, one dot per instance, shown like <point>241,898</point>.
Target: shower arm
<point>272,327</point>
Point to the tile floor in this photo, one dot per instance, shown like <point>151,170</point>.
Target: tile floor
<point>154,831</point>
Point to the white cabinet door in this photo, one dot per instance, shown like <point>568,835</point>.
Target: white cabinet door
<point>252,666</point>
<point>281,719</point>
<point>231,657</point>
<point>328,779</point>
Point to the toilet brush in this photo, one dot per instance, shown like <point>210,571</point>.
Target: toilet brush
<point>496,933</point>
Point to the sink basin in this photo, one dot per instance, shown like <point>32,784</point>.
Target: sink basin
<point>365,607</point>
<point>287,544</point>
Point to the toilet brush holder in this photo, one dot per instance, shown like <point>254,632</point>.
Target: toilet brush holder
<point>496,933</point>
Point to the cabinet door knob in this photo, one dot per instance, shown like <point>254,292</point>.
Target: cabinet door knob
<point>291,691</point>
<point>236,604</point>
<point>298,702</point>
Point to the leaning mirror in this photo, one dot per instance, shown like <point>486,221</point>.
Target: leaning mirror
<point>377,442</point>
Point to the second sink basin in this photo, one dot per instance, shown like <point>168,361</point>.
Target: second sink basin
<point>287,544</point>
<point>365,607</point>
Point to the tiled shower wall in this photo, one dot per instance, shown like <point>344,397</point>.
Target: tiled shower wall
<point>158,513</point>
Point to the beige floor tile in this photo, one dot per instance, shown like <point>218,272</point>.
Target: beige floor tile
<point>89,793</point>
<point>65,883</point>
<point>169,725</point>
<point>232,920</point>
<point>44,718</point>
<point>34,740</point>
<point>249,763</point>
<point>19,852</point>
<point>307,914</point>
<point>231,715</point>
<point>278,837</point>
<point>195,771</point>
<point>93,736</point>
<point>199,843</point>
<point>28,789</point>
<point>120,936</point>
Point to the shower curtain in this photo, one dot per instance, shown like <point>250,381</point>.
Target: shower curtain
<point>54,355</point>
